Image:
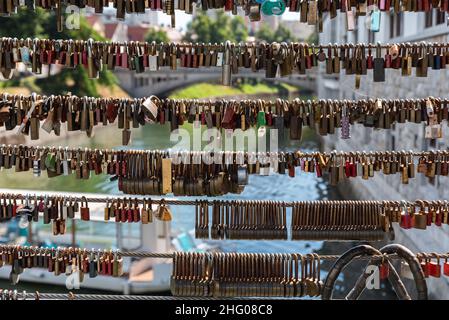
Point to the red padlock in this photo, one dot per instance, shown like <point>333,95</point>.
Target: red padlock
<point>123,168</point>
<point>14,208</point>
<point>429,217</point>
<point>124,214</point>
<point>353,170</point>
<point>388,61</point>
<point>136,212</point>
<point>269,118</point>
<point>406,221</point>
<point>435,267</point>
<point>41,206</point>
<point>62,57</point>
<point>308,60</point>
<point>146,60</point>
<point>369,60</point>
<point>130,212</point>
<point>396,64</point>
<point>203,118</point>
<point>84,58</point>
<point>438,218</point>
<point>319,172</point>
<point>347,169</point>
<point>291,170</point>
<point>118,60</point>
<point>117,213</point>
<point>446,267</point>
<point>51,57</point>
<point>424,265</point>
<point>120,184</point>
<point>85,212</point>
<point>109,265</point>
<point>43,57</point>
<point>125,60</point>
<point>162,117</point>
<point>384,271</point>
<point>76,61</point>
<point>103,267</point>
<point>228,5</point>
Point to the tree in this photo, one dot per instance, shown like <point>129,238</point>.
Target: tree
<point>157,35</point>
<point>205,29</point>
<point>281,34</point>
<point>313,38</point>
<point>42,24</point>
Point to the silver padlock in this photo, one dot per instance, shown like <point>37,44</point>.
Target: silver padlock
<point>406,272</point>
<point>242,175</point>
<point>226,69</point>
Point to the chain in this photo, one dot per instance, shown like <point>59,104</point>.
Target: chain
<point>175,202</point>
<point>218,46</point>
<point>146,254</point>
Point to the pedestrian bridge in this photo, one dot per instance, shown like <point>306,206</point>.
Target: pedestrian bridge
<point>162,82</point>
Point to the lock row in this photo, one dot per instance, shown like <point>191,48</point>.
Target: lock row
<point>215,274</point>
<point>245,274</point>
<point>313,220</point>
<point>214,173</point>
<point>255,219</point>
<point>310,11</point>
<point>31,113</point>
<point>59,261</point>
<point>276,59</point>
<point>421,215</point>
<point>57,210</point>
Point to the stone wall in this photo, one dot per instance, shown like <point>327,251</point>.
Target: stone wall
<point>401,137</point>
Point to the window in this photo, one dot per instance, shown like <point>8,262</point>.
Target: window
<point>396,24</point>
<point>441,17</point>
<point>429,19</point>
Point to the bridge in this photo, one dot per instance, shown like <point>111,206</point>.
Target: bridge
<point>163,81</point>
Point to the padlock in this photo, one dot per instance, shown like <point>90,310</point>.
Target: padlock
<point>446,267</point>
<point>420,218</point>
<point>85,213</point>
<point>406,221</point>
<point>384,270</point>
<point>424,265</point>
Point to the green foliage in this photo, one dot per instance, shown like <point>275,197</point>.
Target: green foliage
<point>42,24</point>
<point>313,38</point>
<point>216,30</point>
<point>281,34</point>
<point>157,35</point>
<point>207,90</point>
<point>25,24</point>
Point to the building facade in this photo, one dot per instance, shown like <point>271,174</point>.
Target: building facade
<point>404,27</point>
